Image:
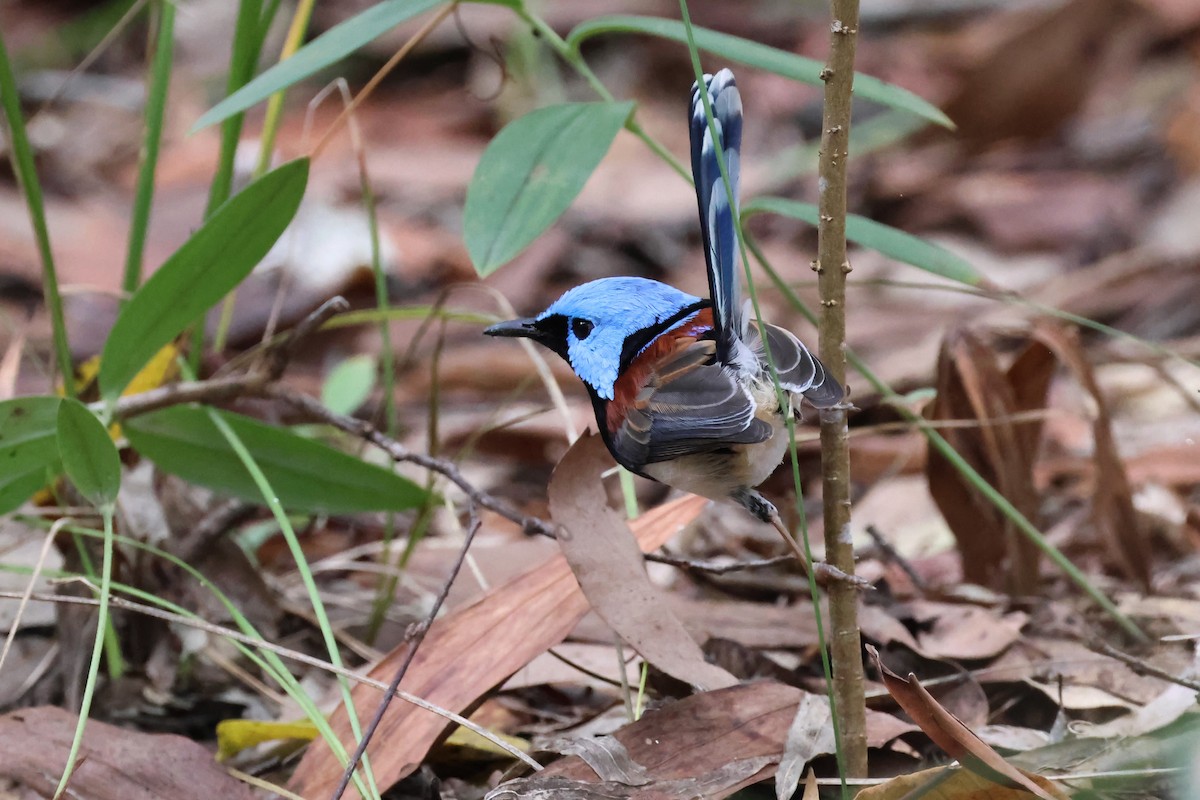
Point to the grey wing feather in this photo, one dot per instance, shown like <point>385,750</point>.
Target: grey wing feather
<point>689,406</point>
<point>799,370</point>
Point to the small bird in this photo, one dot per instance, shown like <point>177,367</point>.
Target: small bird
<point>681,386</point>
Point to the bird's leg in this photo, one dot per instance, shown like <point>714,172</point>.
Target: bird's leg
<point>763,509</point>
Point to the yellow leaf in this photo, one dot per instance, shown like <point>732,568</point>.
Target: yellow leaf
<point>235,735</point>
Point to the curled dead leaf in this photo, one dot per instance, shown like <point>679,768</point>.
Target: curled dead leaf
<point>955,738</point>
<point>608,565</point>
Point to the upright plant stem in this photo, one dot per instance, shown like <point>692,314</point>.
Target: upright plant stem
<point>21,154</point>
<point>248,34</point>
<point>295,37</point>
<point>832,267</point>
<point>156,103</point>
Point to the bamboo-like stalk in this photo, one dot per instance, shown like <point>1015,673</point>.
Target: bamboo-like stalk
<point>832,267</point>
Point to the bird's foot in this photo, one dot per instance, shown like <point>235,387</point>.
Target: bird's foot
<point>763,509</point>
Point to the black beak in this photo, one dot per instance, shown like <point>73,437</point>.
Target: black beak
<point>550,332</point>
<point>517,329</point>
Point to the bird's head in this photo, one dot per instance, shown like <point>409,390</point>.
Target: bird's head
<point>600,326</point>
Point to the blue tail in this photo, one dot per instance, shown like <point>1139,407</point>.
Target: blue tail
<point>716,206</point>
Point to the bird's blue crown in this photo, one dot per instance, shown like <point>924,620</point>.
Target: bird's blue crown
<point>616,309</point>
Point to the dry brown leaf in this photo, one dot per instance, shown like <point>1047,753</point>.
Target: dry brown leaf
<point>1112,503</point>
<point>967,633</point>
<point>955,738</point>
<point>114,763</point>
<point>468,652</point>
<point>972,386</point>
<point>1005,95</point>
<point>943,783</point>
<point>609,567</point>
<point>703,746</point>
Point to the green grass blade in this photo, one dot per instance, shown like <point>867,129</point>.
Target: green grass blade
<point>214,260</point>
<point>893,243</point>
<point>21,154</point>
<point>327,49</point>
<point>156,104</point>
<point>271,498</point>
<point>753,54</point>
<point>89,687</point>
<point>531,172</point>
<point>249,32</point>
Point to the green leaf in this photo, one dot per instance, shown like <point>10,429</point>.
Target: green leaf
<point>891,242</point>
<point>530,173</point>
<point>349,384</point>
<point>327,49</point>
<point>306,475</point>
<point>28,434</point>
<point>207,267</point>
<point>753,54</point>
<point>88,454</point>
<point>16,488</point>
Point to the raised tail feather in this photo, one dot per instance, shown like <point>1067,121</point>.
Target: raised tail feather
<point>717,207</point>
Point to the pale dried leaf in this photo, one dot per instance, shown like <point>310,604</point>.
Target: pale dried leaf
<point>606,756</point>
<point>969,633</point>
<point>610,569</point>
<point>810,735</point>
<point>1012,737</point>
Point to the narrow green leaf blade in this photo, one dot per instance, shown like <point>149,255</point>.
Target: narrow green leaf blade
<point>891,242</point>
<point>207,267</point>
<point>88,454</point>
<point>753,54</point>
<point>327,49</point>
<point>28,434</point>
<point>305,474</point>
<point>530,173</point>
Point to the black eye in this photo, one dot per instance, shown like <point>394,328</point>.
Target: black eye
<point>581,328</point>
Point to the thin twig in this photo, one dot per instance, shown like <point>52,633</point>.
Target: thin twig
<point>262,644</point>
<point>715,568</point>
<point>417,637</point>
<point>213,390</point>
<point>827,574</point>
<point>250,384</point>
<point>1141,667</point>
<point>279,355</point>
<point>264,383</point>
<point>383,72</point>
<point>893,555</point>
<point>314,410</point>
